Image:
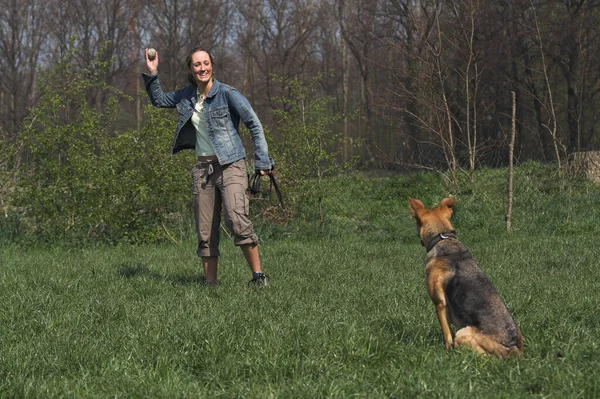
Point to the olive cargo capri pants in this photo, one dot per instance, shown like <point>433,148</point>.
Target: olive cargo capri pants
<point>219,186</point>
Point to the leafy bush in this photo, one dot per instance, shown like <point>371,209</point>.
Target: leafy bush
<point>84,181</point>
<point>308,146</point>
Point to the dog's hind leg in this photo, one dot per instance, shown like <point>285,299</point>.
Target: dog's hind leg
<point>492,346</point>
<point>469,336</point>
<point>481,343</point>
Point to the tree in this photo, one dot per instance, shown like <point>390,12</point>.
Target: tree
<point>307,144</point>
<point>358,26</point>
<point>23,32</point>
<point>274,38</point>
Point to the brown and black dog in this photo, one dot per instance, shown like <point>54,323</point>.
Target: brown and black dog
<point>461,292</point>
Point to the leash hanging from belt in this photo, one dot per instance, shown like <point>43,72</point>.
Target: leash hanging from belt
<point>255,188</point>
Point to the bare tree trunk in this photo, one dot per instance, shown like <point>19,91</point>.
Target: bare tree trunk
<point>545,139</point>
<point>356,20</point>
<point>511,150</point>
<point>23,28</point>
<point>138,99</point>
<point>135,60</point>
<point>573,117</point>
<point>471,101</point>
<point>346,91</point>
<point>554,120</point>
<point>448,142</point>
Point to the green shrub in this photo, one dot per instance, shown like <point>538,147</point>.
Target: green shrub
<point>84,181</point>
<point>308,147</point>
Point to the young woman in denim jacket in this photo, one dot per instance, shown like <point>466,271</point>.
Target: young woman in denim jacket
<point>208,123</point>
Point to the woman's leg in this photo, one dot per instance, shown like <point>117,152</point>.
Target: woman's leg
<point>250,252</point>
<point>210,264</point>
<point>207,211</point>
<point>235,207</point>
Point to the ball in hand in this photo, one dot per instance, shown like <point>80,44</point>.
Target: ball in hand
<point>151,54</point>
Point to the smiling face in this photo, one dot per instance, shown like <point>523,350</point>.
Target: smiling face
<point>201,67</point>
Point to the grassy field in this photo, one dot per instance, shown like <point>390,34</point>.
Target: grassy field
<point>346,314</point>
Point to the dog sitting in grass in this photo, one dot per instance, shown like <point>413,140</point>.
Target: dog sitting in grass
<point>460,291</point>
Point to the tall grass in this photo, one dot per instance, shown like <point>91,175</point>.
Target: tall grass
<point>346,314</point>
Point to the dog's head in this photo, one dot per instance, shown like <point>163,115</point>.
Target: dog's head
<point>432,222</point>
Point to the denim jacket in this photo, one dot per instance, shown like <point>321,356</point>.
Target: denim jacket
<point>224,107</point>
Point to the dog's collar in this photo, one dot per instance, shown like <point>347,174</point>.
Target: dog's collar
<point>440,237</point>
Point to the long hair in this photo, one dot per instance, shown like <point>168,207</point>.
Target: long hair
<point>188,63</point>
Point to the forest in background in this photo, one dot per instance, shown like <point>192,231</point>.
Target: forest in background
<point>418,82</point>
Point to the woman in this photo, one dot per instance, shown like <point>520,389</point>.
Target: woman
<point>208,122</point>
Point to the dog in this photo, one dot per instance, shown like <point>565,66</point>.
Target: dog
<point>461,292</point>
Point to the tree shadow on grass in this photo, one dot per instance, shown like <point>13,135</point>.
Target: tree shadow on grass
<point>139,270</point>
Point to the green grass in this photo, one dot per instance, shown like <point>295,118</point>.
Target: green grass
<point>346,314</point>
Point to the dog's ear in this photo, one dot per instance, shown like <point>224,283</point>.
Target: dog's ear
<point>415,206</point>
<point>448,203</point>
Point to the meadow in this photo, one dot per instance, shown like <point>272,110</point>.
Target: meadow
<point>346,313</point>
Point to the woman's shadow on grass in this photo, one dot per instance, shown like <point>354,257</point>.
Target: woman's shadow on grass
<point>139,270</point>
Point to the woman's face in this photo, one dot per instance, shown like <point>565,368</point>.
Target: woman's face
<point>201,67</point>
